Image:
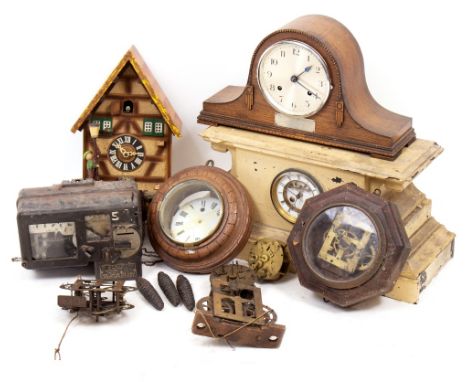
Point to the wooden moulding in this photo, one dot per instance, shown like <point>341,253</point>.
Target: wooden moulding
<point>397,175</point>
<point>350,118</point>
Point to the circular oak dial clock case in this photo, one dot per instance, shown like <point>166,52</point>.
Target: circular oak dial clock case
<point>307,82</point>
<point>348,245</point>
<point>199,219</point>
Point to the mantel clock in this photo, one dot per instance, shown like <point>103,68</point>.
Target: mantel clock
<point>307,82</point>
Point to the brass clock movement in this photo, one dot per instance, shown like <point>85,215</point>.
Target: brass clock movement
<point>307,82</point>
<point>199,219</point>
<point>349,245</point>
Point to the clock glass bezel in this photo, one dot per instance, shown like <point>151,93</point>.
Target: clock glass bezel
<point>177,199</point>
<point>316,263</point>
<point>274,191</point>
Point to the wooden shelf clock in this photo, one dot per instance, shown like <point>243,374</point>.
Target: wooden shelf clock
<point>307,82</point>
<point>136,123</point>
<point>305,123</point>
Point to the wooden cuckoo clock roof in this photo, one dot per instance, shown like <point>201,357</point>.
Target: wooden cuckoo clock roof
<point>147,79</point>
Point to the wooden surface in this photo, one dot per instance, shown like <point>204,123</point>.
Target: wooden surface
<point>350,118</point>
<point>391,249</point>
<point>413,159</point>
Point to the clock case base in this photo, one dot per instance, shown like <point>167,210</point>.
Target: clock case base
<point>382,152</point>
<point>258,158</point>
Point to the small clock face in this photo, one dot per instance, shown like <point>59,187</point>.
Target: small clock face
<point>191,212</point>
<point>289,191</point>
<point>294,78</point>
<point>126,153</point>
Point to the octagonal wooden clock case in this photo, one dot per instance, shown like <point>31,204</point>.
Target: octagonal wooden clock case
<point>306,123</point>
<point>136,123</point>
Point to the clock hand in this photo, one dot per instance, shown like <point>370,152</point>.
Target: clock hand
<point>306,69</point>
<point>309,89</point>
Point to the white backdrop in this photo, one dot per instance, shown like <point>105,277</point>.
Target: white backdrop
<point>55,56</point>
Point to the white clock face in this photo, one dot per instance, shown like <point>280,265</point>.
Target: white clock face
<point>294,78</point>
<point>191,212</point>
<point>289,191</point>
<point>196,220</point>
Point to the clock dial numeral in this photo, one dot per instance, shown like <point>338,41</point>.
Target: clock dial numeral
<point>126,153</point>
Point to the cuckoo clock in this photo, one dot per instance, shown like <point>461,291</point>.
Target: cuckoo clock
<point>285,153</point>
<point>133,123</point>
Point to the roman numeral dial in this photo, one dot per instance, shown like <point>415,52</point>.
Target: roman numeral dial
<point>126,153</point>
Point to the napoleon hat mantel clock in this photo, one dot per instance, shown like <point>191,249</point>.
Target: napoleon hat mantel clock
<point>306,123</point>
<point>307,82</point>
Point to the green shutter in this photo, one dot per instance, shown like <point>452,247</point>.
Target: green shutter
<point>153,127</point>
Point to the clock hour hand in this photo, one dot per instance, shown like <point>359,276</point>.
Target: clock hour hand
<point>306,69</point>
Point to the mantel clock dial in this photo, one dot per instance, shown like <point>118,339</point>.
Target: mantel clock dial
<point>126,153</point>
<point>199,219</point>
<point>289,191</point>
<point>294,78</point>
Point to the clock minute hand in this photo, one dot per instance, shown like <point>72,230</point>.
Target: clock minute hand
<point>310,89</point>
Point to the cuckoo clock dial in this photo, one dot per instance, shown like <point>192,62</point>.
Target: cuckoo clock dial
<point>289,191</point>
<point>126,153</point>
<point>294,78</point>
